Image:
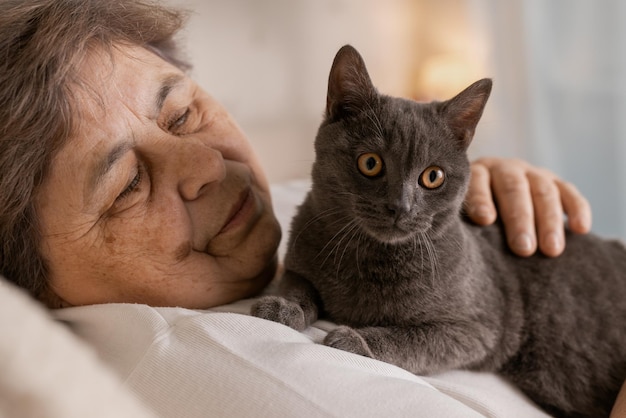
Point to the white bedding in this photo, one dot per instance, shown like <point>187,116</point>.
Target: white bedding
<point>225,363</point>
<point>222,363</point>
<point>45,372</point>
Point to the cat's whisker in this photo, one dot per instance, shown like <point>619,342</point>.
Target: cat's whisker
<point>319,216</point>
<point>432,257</point>
<point>353,225</point>
<point>358,245</point>
<point>341,233</point>
<point>324,214</point>
<point>428,257</point>
<point>354,230</point>
<point>417,241</point>
<point>347,193</point>
<point>459,244</point>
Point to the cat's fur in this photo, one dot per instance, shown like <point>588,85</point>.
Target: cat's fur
<point>416,285</point>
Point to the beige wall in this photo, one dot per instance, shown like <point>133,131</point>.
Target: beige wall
<point>267,61</point>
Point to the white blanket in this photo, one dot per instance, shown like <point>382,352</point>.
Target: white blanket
<point>224,363</point>
<point>46,372</point>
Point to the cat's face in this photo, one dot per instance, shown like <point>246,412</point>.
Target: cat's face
<point>395,167</point>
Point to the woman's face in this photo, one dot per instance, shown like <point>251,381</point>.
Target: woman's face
<point>158,198</point>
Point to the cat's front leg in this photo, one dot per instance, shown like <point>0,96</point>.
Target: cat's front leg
<point>296,305</point>
<point>423,349</point>
<point>281,310</point>
<point>348,339</point>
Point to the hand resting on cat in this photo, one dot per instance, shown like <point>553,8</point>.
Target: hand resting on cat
<point>499,179</point>
<point>380,245</point>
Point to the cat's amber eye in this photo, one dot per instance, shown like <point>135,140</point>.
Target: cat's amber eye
<point>370,164</point>
<point>432,177</point>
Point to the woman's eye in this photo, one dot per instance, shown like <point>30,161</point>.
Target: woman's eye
<point>179,120</point>
<point>432,177</point>
<point>370,164</point>
<point>132,186</point>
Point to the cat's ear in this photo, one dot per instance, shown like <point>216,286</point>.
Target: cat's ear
<point>349,86</point>
<point>463,111</point>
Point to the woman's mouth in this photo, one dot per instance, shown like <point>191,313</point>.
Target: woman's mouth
<point>241,211</point>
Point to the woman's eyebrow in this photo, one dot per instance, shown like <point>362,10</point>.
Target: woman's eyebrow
<point>104,165</point>
<point>168,83</point>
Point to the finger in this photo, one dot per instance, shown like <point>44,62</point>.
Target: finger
<point>576,207</point>
<point>548,212</point>
<point>479,204</point>
<point>512,193</point>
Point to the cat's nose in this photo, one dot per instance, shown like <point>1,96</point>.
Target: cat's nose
<point>399,208</point>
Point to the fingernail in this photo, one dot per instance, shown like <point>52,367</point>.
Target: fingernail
<point>523,242</point>
<point>552,241</point>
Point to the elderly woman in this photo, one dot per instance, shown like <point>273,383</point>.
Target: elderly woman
<point>126,189</point>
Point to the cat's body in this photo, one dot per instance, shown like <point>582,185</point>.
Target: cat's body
<point>549,325</point>
<point>386,253</point>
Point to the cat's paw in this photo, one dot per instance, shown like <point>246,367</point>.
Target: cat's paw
<point>348,339</point>
<point>281,310</point>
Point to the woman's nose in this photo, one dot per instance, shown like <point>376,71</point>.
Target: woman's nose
<point>198,166</point>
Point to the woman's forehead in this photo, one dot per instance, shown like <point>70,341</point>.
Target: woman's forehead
<point>127,78</point>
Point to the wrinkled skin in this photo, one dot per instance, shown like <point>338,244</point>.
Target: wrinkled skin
<point>158,198</point>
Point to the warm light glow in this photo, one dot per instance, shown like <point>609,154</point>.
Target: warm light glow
<point>442,76</point>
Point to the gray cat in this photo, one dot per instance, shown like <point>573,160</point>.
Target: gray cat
<point>380,245</point>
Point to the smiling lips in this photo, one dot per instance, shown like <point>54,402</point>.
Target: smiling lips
<point>241,211</point>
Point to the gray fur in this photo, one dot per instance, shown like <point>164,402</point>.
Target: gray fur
<point>414,284</point>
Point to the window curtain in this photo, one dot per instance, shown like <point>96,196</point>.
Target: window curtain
<point>559,99</point>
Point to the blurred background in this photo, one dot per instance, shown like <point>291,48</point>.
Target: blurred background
<point>559,71</point>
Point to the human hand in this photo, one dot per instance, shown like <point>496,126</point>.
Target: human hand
<point>531,202</point>
<point>619,408</point>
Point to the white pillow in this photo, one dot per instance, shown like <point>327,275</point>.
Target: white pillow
<point>46,372</point>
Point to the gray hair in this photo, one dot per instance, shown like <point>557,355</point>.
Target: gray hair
<point>42,42</point>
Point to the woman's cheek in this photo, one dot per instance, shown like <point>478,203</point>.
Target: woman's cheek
<point>154,235</point>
